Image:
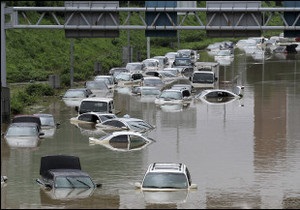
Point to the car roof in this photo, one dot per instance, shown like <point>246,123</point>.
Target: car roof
<point>167,167</point>
<point>98,114</point>
<point>27,118</point>
<point>151,77</point>
<point>116,133</point>
<point>43,115</point>
<point>23,124</point>
<point>98,99</point>
<point>58,162</point>
<point>201,72</point>
<point>68,172</point>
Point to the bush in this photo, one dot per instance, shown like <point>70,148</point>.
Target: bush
<point>39,90</point>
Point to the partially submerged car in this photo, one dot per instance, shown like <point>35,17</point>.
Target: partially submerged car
<point>27,118</point>
<point>99,88</point>
<point>217,96</point>
<point>63,171</point>
<point>174,96</point>
<point>92,117</point>
<point>125,123</point>
<point>153,81</point>
<point>108,79</point>
<point>166,177</point>
<point>145,93</point>
<point>73,96</point>
<point>48,124</point>
<point>123,141</point>
<point>23,135</point>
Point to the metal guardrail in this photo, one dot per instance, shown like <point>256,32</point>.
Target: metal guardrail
<point>21,14</point>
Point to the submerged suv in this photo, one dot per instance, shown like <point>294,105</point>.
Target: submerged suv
<point>166,177</point>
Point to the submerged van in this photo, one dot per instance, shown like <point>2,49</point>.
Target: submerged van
<point>96,104</point>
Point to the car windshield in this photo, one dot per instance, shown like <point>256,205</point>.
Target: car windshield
<point>171,95</point>
<point>22,131</point>
<point>73,182</point>
<point>153,82</point>
<point>165,180</point>
<point>150,92</point>
<point>99,85</point>
<point>150,64</point>
<point>134,66</point>
<point>123,77</point>
<point>93,106</point>
<point>139,125</point>
<point>47,121</point>
<point>182,62</point>
<point>203,78</point>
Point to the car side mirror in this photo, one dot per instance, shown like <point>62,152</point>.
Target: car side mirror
<point>216,78</point>
<point>76,108</point>
<point>41,134</point>
<point>138,185</point>
<point>98,185</point>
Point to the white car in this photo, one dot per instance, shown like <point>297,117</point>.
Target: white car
<point>125,123</point>
<point>166,177</point>
<point>123,141</point>
<point>220,96</point>
<point>174,96</point>
<point>92,117</point>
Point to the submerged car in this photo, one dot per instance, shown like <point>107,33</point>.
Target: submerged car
<point>27,118</point>
<point>99,88</point>
<point>73,96</point>
<point>92,117</point>
<point>23,135</point>
<point>125,123</point>
<point>174,96</point>
<point>217,96</point>
<point>48,124</point>
<point>123,141</point>
<point>63,171</point>
<point>166,177</point>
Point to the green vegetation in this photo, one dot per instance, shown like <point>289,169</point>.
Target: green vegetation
<point>35,54</point>
<point>29,95</point>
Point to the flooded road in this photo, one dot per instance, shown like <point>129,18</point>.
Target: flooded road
<point>243,154</point>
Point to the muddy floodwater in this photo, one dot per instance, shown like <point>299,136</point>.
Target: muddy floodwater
<point>241,154</point>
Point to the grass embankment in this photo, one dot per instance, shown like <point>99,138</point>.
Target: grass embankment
<point>35,54</point>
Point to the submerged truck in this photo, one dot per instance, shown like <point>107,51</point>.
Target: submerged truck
<point>205,75</point>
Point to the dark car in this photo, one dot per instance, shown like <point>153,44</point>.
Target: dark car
<point>63,171</point>
<point>28,118</point>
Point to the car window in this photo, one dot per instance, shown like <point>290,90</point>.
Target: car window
<point>22,130</point>
<point>95,106</point>
<point>88,118</point>
<point>114,123</point>
<point>106,117</point>
<point>47,121</point>
<point>165,180</point>
<point>188,176</point>
<point>136,141</point>
<point>120,139</point>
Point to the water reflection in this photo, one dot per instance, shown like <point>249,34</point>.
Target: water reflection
<point>68,193</point>
<point>166,197</point>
